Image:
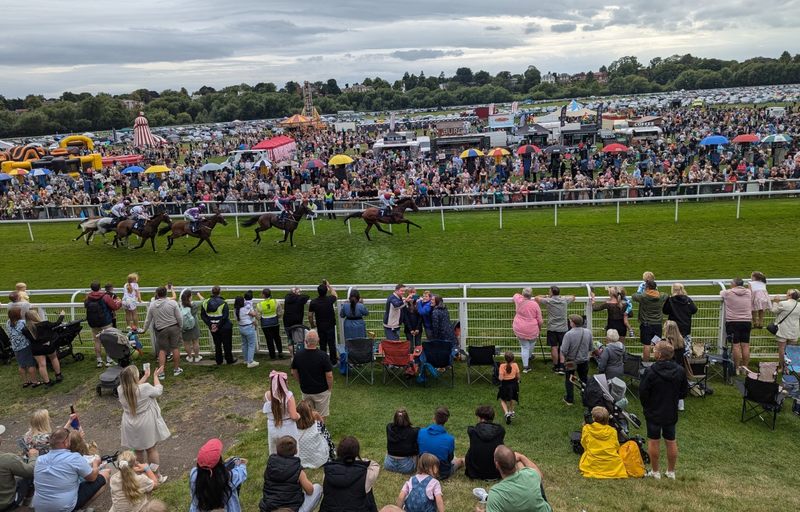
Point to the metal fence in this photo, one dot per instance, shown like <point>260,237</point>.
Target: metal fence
<point>483,320</point>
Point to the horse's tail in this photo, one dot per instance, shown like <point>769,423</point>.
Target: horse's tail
<point>252,220</point>
<point>163,231</point>
<point>354,215</point>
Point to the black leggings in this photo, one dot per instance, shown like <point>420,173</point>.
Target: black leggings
<point>273,336</point>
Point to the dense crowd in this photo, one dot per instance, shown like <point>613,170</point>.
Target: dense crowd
<point>668,165</point>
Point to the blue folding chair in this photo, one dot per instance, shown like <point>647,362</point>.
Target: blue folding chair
<point>438,355</point>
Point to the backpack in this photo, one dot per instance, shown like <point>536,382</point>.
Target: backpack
<point>189,321</point>
<point>632,459</point>
<point>417,500</point>
<point>97,313</point>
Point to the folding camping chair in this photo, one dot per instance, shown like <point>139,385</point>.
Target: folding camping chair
<point>396,359</point>
<point>360,359</point>
<point>439,355</point>
<point>632,368</point>
<point>481,363</point>
<point>760,397</point>
<point>791,375</point>
<point>696,365</point>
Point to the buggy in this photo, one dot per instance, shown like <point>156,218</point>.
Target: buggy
<point>63,336</point>
<point>296,337</point>
<point>6,354</point>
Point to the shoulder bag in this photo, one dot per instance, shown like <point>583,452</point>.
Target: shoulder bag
<point>773,327</point>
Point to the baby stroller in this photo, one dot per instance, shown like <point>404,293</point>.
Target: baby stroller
<point>791,375</point>
<point>63,336</point>
<point>6,354</point>
<point>599,391</point>
<point>296,337</point>
<point>118,348</point>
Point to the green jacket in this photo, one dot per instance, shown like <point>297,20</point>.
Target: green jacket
<point>12,466</point>
<point>650,307</point>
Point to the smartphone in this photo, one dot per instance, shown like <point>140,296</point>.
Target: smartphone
<point>74,423</point>
<point>146,367</point>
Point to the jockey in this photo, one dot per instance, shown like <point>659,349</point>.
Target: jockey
<point>193,216</point>
<point>284,203</point>
<point>387,203</point>
<point>119,211</point>
<point>139,215</point>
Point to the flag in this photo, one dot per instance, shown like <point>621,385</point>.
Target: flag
<point>563,116</point>
<point>514,107</point>
<point>391,122</point>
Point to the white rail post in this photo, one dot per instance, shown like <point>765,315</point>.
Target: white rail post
<point>501,217</point>
<point>676,210</point>
<point>738,206</point>
<point>618,212</point>
<point>463,318</point>
<point>349,231</point>
<point>555,218</point>
<point>441,210</point>
<point>30,231</point>
<point>313,227</point>
<point>235,212</point>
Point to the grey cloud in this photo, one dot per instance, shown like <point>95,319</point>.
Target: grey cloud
<point>532,28</point>
<point>425,54</point>
<point>592,28</point>
<point>562,28</point>
<point>492,28</point>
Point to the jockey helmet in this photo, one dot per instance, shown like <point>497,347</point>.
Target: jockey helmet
<point>202,206</point>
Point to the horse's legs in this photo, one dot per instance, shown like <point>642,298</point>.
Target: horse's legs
<point>208,241</point>
<point>196,246</point>
<point>408,224</point>
<point>379,228</point>
<point>257,239</point>
<point>169,242</point>
<point>153,242</point>
<point>285,236</point>
<point>366,231</point>
<point>291,238</point>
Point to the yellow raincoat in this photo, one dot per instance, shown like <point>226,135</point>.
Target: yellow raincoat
<point>600,457</point>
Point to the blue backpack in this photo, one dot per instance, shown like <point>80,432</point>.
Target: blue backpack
<point>417,500</point>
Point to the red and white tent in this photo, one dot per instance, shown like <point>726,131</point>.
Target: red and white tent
<point>278,148</point>
<point>142,136</point>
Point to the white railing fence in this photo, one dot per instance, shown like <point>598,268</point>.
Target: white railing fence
<point>483,320</point>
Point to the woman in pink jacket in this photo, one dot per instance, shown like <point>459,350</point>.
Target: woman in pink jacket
<point>527,324</point>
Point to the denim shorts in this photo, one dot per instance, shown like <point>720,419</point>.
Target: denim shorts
<point>405,465</point>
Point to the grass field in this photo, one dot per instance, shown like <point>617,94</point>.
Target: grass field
<point>724,465</point>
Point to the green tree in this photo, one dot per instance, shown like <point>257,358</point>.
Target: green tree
<point>482,77</point>
<point>624,66</point>
<point>463,76</point>
<point>531,78</point>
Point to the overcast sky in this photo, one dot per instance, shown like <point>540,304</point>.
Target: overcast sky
<point>51,46</point>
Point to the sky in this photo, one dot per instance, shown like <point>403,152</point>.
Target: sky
<point>52,46</point>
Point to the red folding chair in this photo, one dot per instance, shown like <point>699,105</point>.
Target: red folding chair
<point>396,360</point>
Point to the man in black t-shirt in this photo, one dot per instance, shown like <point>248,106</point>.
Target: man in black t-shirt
<point>313,370</point>
<point>322,317</point>
<point>294,305</point>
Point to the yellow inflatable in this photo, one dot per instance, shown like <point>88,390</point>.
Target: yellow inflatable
<point>77,140</point>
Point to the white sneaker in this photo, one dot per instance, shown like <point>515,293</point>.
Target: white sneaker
<point>680,404</point>
<point>99,363</point>
<point>162,479</point>
<point>481,494</point>
<point>670,475</point>
<point>252,364</point>
<point>198,358</point>
<point>177,371</point>
<point>110,362</point>
<point>190,358</point>
<point>653,474</point>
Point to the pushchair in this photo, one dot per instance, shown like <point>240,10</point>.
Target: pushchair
<point>599,391</point>
<point>791,375</point>
<point>296,337</point>
<point>117,348</point>
<point>63,336</point>
<point>6,354</point>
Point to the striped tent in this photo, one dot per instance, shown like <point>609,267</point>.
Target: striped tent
<point>142,136</point>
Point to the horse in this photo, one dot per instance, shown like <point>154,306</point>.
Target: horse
<point>288,225</point>
<point>93,226</point>
<point>372,216</point>
<point>182,228</point>
<point>148,231</point>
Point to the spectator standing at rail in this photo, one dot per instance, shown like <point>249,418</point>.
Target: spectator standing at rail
<point>738,320</point>
<point>527,324</point>
<point>99,315</point>
<point>392,312</point>
<point>680,308</point>
<point>557,325</point>
<point>216,316</point>
<point>575,349</point>
<point>269,310</point>
<point>322,317</point>
<point>651,303</point>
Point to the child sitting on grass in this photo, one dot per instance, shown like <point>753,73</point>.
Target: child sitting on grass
<point>601,457</point>
<point>423,492</point>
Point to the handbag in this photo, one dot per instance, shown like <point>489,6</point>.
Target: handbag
<point>569,364</point>
<point>773,327</point>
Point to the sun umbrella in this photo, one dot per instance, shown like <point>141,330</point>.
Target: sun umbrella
<point>471,153</point>
<point>211,167</point>
<point>615,148</point>
<point>314,163</point>
<point>774,139</point>
<point>42,172</point>
<point>498,152</point>
<point>17,172</point>
<point>157,169</point>
<point>746,138</point>
<point>714,140</point>
<point>4,176</point>
<point>555,148</point>
<point>262,163</point>
<point>134,169</point>
<point>528,149</point>
<point>340,160</point>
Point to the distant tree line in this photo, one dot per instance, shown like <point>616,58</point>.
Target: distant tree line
<point>35,115</point>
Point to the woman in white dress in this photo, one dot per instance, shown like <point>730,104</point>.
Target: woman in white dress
<point>280,408</point>
<point>142,425</point>
<point>313,438</point>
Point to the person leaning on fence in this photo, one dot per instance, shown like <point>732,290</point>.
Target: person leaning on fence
<point>167,320</point>
<point>269,310</point>
<point>322,317</point>
<point>787,319</point>
<point>576,349</point>
<point>557,325</point>
<point>353,311</point>
<point>680,308</point>
<point>392,312</point>
<point>651,303</point>
<point>527,324</point>
<point>738,321</point>
<point>99,307</point>
<point>190,329</point>
<point>663,384</point>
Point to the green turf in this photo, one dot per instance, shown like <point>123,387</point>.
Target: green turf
<point>707,242</point>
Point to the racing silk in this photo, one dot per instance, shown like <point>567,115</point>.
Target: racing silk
<point>387,204</point>
<point>138,212</point>
<point>279,204</point>
<point>118,210</point>
<point>192,214</point>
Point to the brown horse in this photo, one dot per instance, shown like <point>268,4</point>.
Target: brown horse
<point>372,216</point>
<point>182,228</point>
<point>125,229</point>
<point>288,224</point>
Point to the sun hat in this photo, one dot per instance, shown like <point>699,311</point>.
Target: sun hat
<point>209,454</point>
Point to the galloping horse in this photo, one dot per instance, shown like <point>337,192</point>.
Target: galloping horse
<point>125,229</point>
<point>90,227</point>
<point>182,228</point>
<point>288,224</point>
<point>372,216</point>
